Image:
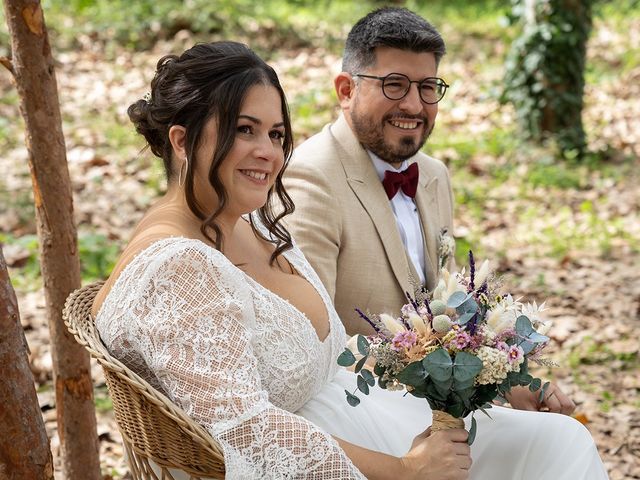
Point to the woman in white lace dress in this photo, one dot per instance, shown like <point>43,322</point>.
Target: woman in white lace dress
<point>212,303</point>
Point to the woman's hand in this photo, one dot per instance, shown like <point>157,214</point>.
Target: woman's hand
<point>443,455</point>
<point>521,398</point>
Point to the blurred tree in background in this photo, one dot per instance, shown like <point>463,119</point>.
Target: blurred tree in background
<point>545,71</point>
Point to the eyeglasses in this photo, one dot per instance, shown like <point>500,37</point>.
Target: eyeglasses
<point>395,86</point>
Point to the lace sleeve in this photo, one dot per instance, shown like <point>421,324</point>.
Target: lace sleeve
<point>195,322</point>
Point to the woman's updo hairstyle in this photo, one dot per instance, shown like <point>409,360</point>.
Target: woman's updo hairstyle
<point>211,80</point>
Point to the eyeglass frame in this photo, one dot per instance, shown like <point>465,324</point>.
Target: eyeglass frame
<point>440,82</point>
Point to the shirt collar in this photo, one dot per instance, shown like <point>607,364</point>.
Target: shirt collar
<point>382,166</point>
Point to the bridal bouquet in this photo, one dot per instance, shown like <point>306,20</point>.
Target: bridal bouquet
<point>459,347</point>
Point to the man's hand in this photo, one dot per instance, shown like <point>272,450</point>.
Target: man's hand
<point>521,398</point>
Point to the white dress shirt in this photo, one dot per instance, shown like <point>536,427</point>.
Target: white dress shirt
<point>407,217</point>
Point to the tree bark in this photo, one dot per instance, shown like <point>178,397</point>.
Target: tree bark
<point>36,84</point>
<point>24,446</point>
<point>545,71</point>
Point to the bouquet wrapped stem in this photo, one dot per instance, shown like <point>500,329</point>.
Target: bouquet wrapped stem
<point>458,347</point>
<point>444,421</point>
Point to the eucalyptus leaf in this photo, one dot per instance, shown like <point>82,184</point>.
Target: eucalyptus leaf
<point>433,393</point>
<point>465,395</point>
<point>543,390</point>
<point>413,374</point>
<point>484,409</point>
<point>444,387</point>
<point>360,364</point>
<point>456,409</point>
<point>468,306</point>
<point>535,384</point>
<point>523,326</point>
<point>462,385</point>
<point>465,317</point>
<point>346,358</point>
<point>379,370</point>
<point>352,399</point>
<point>439,365</point>
<point>363,345</point>
<point>472,431</point>
<point>363,386</point>
<point>526,346</point>
<point>368,377</point>
<point>525,379</point>
<point>526,330</point>
<point>457,298</point>
<point>466,366</point>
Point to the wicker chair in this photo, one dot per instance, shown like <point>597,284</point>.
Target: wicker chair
<point>152,427</point>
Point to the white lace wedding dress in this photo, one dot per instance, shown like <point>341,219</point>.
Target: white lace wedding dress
<point>240,359</point>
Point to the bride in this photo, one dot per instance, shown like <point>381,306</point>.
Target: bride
<point>212,303</point>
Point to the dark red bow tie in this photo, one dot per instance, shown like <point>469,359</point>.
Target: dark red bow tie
<point>407,180</point>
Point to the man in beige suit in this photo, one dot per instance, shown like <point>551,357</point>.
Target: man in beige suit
<point>372,243</point>
<point>368,249</point>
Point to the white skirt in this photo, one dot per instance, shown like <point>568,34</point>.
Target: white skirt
<point>511,445</point>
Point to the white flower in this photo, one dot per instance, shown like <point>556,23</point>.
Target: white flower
<point>392,324</point>
<point>482,274</point>
<point>503,316</point>
<point>495,365</point>
<point>533,312</point>
<point>447,285</point>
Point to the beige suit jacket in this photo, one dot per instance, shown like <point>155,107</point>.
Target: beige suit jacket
<point>344,224</point>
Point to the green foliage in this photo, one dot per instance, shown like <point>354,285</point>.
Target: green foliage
<point>102,400</point>
<point>593,352</point>
<point>28,277</point>
<point>545,71</point>
<point>97,257</point>
<point>557,175</point>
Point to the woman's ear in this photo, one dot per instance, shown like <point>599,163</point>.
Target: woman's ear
<point>178,139</point>
<point>345,89</point>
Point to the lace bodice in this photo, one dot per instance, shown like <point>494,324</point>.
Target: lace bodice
<point>235,356</point>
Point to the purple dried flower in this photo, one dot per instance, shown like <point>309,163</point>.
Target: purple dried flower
<point>472,271</point>
<point>368,320</point>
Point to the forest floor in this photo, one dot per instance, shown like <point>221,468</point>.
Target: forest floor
<point>566,233</point>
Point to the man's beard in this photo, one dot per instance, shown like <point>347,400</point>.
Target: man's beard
<point>371,135</point>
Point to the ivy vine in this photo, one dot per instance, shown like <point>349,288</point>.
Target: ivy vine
<point>545,70</point>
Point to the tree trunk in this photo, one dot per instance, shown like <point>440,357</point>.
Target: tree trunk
<point>21,426</point>
<point>545,71</point>
<point>33,69</point>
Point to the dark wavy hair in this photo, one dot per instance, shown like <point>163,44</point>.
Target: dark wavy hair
<point>389,27</point>
<point>212,80</point>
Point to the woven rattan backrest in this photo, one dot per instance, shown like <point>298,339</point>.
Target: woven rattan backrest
<point>152,427</point>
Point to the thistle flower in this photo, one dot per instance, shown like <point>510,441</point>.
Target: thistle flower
<point>442,323</point>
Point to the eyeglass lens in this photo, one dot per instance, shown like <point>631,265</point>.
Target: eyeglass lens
<point>396,86</point>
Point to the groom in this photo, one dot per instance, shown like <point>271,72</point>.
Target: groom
<point>369,204</point>
<point>370,231</point>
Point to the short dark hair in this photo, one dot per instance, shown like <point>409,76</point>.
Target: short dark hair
<point>389,27</point>
<point>211,80</point>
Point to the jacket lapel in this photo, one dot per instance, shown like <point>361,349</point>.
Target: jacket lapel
<point>365,183</point>
<point>427,202</point>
